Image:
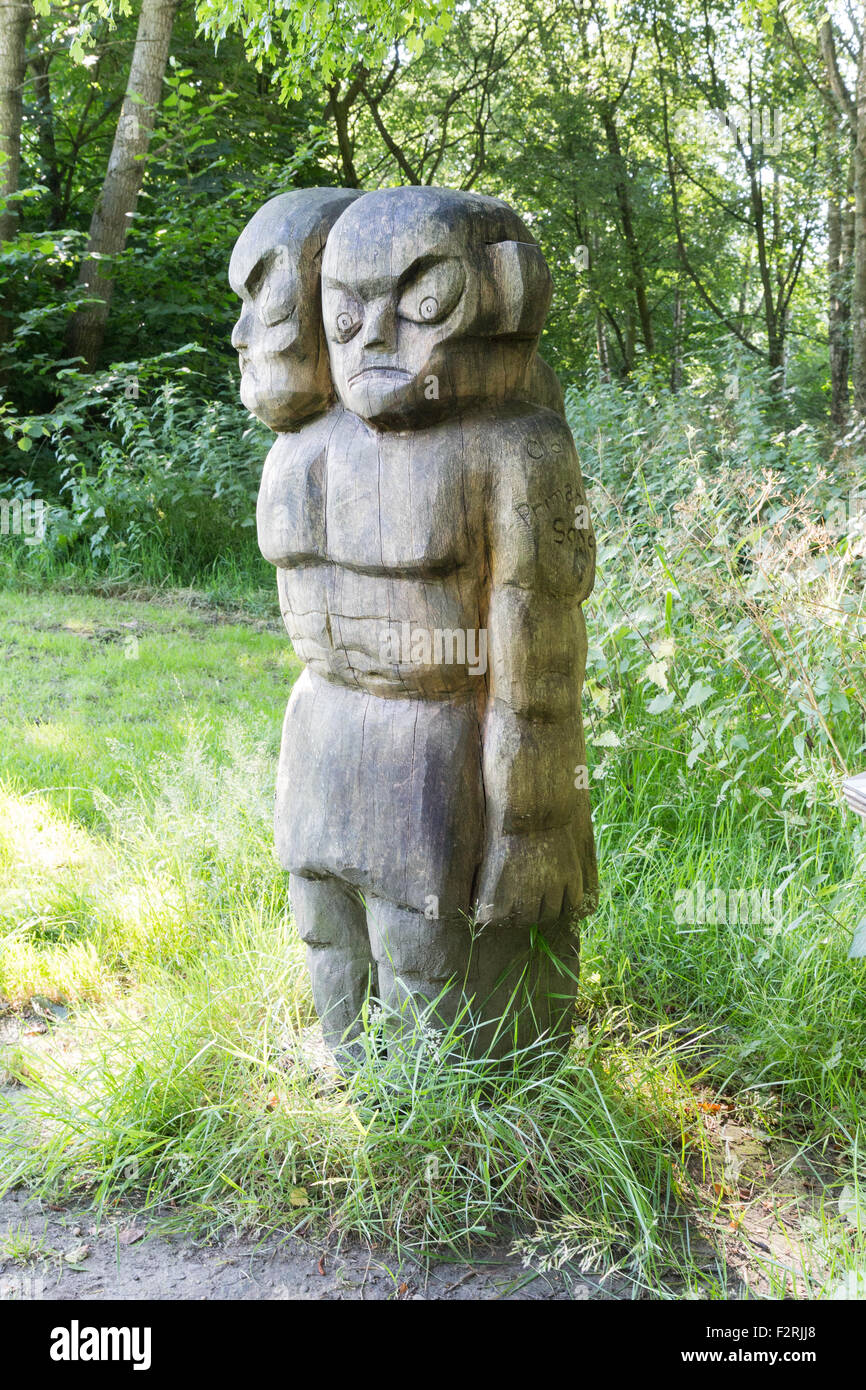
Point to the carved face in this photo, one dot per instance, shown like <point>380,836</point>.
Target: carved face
<point>275,270</point>
<point>425,305</point>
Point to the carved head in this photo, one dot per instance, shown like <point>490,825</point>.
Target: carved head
<point>275,270</point>
<point>432,301</point>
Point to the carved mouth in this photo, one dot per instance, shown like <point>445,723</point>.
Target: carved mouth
<point>396,375</point>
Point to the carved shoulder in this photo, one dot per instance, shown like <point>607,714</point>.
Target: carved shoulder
<point>290,512</point>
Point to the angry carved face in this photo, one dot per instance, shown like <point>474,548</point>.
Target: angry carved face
<point>424,297</point>
<point>275,271</point>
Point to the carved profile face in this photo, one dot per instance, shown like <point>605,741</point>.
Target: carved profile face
<point>432,300</point>
<point>275,270</point>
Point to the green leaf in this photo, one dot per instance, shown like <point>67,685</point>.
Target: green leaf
<point>857,948</point>
<point>661,702</point>
<point>699,693</point>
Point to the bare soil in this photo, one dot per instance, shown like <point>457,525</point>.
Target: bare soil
<point>75,1258</point>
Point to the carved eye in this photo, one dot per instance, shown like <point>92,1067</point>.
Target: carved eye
<point>433,293</point>
<point>276,311</point>
<point>346,322</point>
<point>277,298</point>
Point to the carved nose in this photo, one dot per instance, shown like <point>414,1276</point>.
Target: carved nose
<point>241,333</point>
<point>380,323</point>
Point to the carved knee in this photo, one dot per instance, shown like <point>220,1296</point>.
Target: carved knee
<point>409,943</point>
<point>327,912</point>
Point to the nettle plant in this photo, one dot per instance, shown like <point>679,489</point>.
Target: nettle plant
<point>140,460</point>
<point>729,618</point>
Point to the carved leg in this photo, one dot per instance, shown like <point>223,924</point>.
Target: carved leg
<point>415,959</point>
<point>518,983</point>
<point>525,985</point>
<point>330,918</point>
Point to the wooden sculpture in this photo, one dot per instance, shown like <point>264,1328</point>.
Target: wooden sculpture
<point>425,510</point>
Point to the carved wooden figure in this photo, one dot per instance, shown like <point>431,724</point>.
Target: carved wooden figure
<point>433,549</point>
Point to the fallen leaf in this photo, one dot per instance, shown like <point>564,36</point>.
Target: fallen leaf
<point>76,1254</point>
<point>130,1235</point>
<point>322,1264</point>
<point>298,1197</point>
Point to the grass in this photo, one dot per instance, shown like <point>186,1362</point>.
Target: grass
<point>145,895</point>
<point>700,1133</point>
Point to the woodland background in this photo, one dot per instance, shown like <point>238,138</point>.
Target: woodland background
<point>696,176</point>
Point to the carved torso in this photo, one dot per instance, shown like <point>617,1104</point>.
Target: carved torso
<point>374,530</point>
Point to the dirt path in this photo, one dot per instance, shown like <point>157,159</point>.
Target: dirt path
<point>65,1255</point>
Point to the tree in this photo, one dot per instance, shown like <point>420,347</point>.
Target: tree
<point>15,17</point>
<point>115,208</point>
<point>732,157</point>
<point>852,109</point>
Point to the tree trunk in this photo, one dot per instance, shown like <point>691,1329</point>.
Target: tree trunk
<point>117,201</point>
<point>677,353</point>
<point>776,357</point>
<point>773,319</point>
<point>858,290</point>
<point>853,110</point>
<point>338,108</point>
<point>743,300</point>
<point>840,237</point>
<point>623,198</point>
<point>628,363</point>
<point>846,262</point>
<point>15,17</point>
<point>603,354</point>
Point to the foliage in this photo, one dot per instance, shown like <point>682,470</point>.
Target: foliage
<point>326,38</point>
<point>670,231</point>
<point>140,463</point>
